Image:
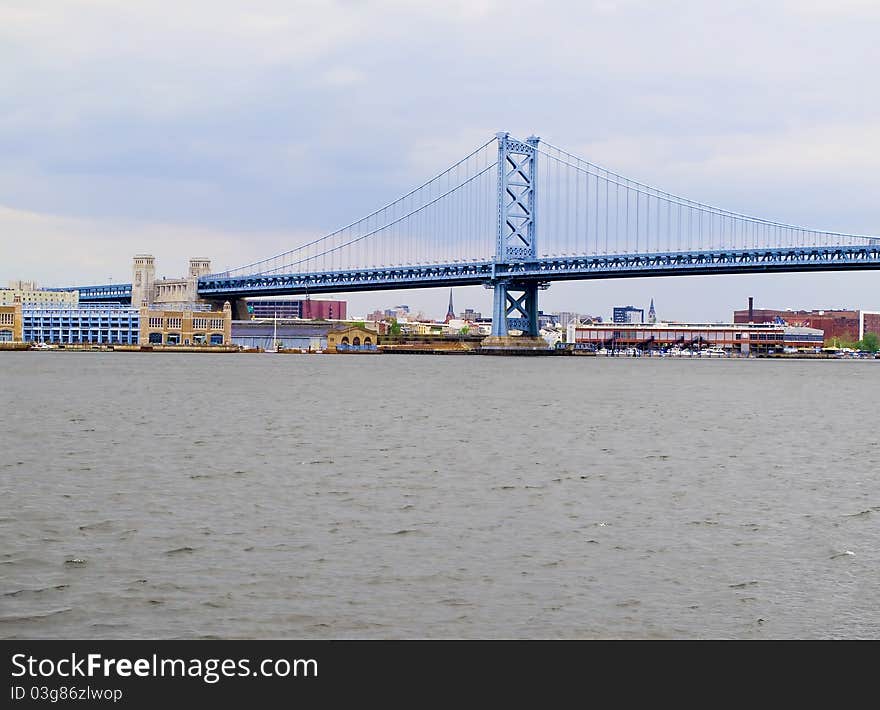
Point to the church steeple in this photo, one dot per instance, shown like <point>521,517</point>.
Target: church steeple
<point>652,314</point>
<point>450,312</point>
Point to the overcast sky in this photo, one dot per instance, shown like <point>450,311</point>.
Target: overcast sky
<point>237,130</point>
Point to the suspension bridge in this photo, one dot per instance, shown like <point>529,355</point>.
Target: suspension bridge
<point>514,216</point>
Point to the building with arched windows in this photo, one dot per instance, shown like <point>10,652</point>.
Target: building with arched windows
<point>196,325</point>
<point>10,323</point>
<point>352,339</point>
<point>113,324</point>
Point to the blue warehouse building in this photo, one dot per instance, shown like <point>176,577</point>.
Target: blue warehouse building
<point>92,323</point>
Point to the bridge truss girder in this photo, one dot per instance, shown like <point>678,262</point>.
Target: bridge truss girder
<point>547,269</point>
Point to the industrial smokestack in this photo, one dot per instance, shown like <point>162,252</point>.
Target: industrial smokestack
<point>751,309</point>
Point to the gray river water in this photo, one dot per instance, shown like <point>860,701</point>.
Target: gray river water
<point>255,496</point>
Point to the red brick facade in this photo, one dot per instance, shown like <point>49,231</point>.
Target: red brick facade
<point>872,323</point>
<point>836,324</point>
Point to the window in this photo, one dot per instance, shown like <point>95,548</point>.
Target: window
<point>7,318</point>
<point>200,323</point>
<point>217,323</point>
<point>155,338</point>
<point>155,322</point>
<point>173,339</point>
<point>172,323</point>
<point>5,336</point>
<point>217,339</point>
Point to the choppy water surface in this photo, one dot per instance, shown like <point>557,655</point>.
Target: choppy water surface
<point>150,495</point>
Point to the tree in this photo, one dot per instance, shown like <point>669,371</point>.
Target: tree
<point>838,342</point>
<point>871,343</point>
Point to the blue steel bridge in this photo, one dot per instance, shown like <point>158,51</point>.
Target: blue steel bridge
<point>514,216</point>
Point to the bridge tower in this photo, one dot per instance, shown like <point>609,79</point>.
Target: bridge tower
<point>516,302</point>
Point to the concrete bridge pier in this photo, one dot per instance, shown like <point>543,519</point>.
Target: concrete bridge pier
<point>239,307</point>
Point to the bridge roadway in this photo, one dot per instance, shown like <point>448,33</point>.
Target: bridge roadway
<point>545,270</point>
<point>542,270</point>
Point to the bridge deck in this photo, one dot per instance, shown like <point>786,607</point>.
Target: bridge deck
<point>565,268</point>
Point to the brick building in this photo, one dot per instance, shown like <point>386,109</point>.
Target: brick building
<point>869,323</point>
<point>842,325</point>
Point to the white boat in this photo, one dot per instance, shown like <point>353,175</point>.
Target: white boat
<point>42,346</point>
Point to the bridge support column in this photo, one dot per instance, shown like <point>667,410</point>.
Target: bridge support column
<point>239,307</point>
<point>515,308</point>
<point>499,310</point>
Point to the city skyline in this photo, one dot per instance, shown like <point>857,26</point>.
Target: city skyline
<point>116,144</point>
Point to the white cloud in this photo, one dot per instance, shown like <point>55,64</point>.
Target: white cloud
<point>43,247</point>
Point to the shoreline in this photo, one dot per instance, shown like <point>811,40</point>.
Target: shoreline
<point>496,352</point>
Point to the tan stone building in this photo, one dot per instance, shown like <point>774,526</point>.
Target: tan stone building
<point>10,323</point>
<point>185,327</point>
<point>30,295</point>
<point>352,336</point>
<point>170,293</point>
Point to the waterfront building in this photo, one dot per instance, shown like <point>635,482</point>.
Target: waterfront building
<point>351,338</point>
<point>196,325</point>
<point>99,323</point>
<point>286,333</point>
<point>845,325</point>
<point>742,338</point>
<point>469,314</point>
<point>628,314</point>
<point>11,323</point>
<point>30,295</point>
<point>112,324</point>
<point>298,308</point>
